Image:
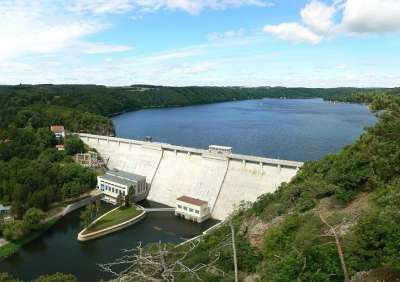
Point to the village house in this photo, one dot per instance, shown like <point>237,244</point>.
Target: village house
<point>59,131</point>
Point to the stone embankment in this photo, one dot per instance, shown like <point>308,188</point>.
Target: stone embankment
<point>83,236</point>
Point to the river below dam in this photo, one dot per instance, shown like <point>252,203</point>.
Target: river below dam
<point>300,129</point>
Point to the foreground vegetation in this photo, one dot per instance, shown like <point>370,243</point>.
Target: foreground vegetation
<point>58,277</point>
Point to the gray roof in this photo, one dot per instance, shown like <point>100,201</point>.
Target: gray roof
<point>123,177</point>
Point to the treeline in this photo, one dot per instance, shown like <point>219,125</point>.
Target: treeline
<point>356,191</point>
<point>107,101</point>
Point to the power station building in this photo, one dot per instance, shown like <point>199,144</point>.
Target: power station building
<point>192,209</point>
<point>115,183</point>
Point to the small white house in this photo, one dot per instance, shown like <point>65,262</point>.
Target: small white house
<point>224,150</point>
<point>59,131</point>
<point>115,183</point>
<point>192,209</point>
<point>5,213</point>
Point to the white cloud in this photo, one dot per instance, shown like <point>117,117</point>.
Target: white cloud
<point>318,16</point>
<point>371,16</point>
<point>101,48</point>
<point>293,32</point>
<point>357,17</point>
<point>196,68</point>
<point>100,6</point>
<point>40,27</point>
<point>147,6</point>
<point>229,34</point>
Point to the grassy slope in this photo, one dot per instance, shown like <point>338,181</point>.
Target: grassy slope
<point>116,217</point>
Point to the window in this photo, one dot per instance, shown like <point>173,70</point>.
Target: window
<point>185,208</point>
<point>191,210</point>
<point>197,211</point>
<point>179,206</point>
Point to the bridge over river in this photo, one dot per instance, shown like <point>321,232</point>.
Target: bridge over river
<point>223,180</point>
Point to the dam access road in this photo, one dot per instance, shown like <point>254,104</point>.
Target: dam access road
<point>224,180</point>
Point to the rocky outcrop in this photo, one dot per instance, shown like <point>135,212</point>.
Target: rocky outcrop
<point>255,228</point>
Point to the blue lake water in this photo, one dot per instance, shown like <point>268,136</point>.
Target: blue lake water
<point>299,129</point>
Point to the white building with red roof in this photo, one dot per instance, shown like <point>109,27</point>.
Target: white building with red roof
<point>59,131</point>
<point>192,209</point>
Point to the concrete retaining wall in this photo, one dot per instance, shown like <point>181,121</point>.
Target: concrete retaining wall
<point>173,171</point>
<point>72,207</point>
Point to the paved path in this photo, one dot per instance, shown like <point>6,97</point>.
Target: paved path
<point>159,209</point>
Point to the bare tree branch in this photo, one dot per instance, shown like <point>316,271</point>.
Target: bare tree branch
<point>338,246</point>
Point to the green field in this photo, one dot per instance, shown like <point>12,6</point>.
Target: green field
<point>118,216</point>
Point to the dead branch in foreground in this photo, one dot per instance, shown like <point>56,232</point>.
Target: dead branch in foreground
<point>162,264</point>
<point>334,234</point>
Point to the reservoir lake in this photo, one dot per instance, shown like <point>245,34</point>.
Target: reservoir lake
<point>299,129</point>
<point>292,129</point>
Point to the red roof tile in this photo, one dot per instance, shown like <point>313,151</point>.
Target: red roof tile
<point>57,128</point>
<point>192,201</point>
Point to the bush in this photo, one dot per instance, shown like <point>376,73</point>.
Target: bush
<point>73,145</point>
<point>33,218</point>
<point>58,277</point>
<point>15,230</point>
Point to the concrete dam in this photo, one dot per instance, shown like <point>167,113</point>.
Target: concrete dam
<point>223,180</point>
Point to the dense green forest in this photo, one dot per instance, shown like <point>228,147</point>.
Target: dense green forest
<point>281,237</point>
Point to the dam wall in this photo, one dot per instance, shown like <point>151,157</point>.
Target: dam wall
<point>224,180</point>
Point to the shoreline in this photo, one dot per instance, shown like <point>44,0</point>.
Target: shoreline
<point>12,247</point>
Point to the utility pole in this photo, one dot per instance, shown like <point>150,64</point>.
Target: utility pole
<point>234,252</point>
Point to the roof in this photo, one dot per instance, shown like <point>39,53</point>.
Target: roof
<point>192,201</point>
<point>218,147</point>
<point>123,177</point>
<point>4,208</point>
<point>57,128</point>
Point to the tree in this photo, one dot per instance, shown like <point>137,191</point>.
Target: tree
<point>120,200</point>
<point>73,145</point>
<point>129,196</point>
<point>15,230</point>
<point>88,214</point>
<point>57,277</point>
<point>5,277</point>
<point>33,218</point>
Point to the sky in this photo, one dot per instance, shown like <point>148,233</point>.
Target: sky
<point>307,43</point>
